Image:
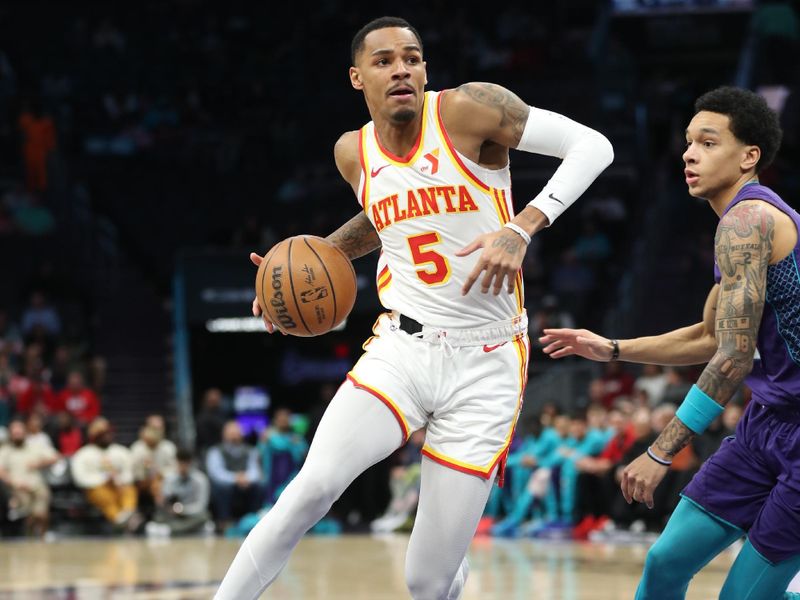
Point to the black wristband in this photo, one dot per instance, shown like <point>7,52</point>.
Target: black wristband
<point>658,459</point>
<point>615,349</point>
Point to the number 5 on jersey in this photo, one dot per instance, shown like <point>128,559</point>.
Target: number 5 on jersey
<point>439,270</point>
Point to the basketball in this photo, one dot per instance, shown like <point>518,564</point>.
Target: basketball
<point>306,286</point>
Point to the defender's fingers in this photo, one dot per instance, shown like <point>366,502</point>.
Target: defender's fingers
<point>624,487</point>
<point>566,351</point>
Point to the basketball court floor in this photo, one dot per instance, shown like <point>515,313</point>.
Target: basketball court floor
<point>335,568</point>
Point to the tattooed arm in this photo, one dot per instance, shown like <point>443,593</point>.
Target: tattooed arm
<point>357,237</point>
<point>743,247</point>
<point>483,121</point>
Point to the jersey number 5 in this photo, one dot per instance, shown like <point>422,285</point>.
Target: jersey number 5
<point>439,270</point>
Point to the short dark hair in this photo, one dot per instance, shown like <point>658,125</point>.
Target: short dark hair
<point>184,455</point>
<point>380,23</point>
<point>752,120</point>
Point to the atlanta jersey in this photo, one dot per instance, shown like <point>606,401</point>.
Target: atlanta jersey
<point>426,206</point>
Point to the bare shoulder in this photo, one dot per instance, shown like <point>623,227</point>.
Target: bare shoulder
<point>488,109</point>
<point>345,152</point>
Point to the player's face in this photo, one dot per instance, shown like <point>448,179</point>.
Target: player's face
<point>390,71</point>
<point>714,159</point>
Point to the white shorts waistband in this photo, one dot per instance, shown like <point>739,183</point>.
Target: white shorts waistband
<point>498,332</point>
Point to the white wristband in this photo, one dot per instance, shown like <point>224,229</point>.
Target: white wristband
<point>517,229</point>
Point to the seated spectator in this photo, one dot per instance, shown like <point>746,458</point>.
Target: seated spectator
<point>38,397</point>
<point>66,435</point>
<point>183,505</point>
<point>652,381</point>
<point>614,383</point>
<point>20,466</point>
<point>36,435</point>
<point>210,421</point>
<point>153,460</point>
<point>282,454</point>
<point>104,470</point>
<point>11,342</point>
<point>40,314</point>
<point>232,467</point>
<point>678,385</point>
<point>404,480</point>
<point>596,485</point>
<point>78,399</point>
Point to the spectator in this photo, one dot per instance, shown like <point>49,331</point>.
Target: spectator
<point>232,467</point>
<point>210,421</point>
<point>36,435</point>
<point>66,435</point>
<point>34,218</point>
<point>79,400</point>
<point>153,460</point>
<point>38,141</point>
<point>183,506</point>
<point>40,314</point>
<point>11,341</point>
<point>20,465</point>
<point>592,244</point>
<point>104,470</point>
<point>6,401</point>
<point>38,398</point>
<point>282,453</point>
<point>652,381</point>
<point>549,315</point>
<point>404,480</point>
<point>614,383</point>
<point>677,386</point>
<point>596,485</point>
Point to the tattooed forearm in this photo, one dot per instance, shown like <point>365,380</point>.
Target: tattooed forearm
<point>743,249</point>
<point>356,238</point>
<point>512,244</point>
<point>674,437</point>
<point>513,111</point>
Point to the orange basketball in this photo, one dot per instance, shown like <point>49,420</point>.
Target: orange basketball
<point>306,286</point>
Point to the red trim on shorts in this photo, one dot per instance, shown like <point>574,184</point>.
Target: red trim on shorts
<point>388,403</point>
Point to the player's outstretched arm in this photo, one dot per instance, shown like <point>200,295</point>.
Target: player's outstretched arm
<point>743,247</point>
<point>690,345</point>
<point>485,113</point>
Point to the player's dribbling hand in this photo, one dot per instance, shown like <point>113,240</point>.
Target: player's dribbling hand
<point>640,479</point>
<point>566,342</point>
<point>501,259</point>
<point>256,260</point>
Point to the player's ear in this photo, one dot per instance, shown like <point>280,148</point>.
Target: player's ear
<point>355,78</point>
<point>750,157</point>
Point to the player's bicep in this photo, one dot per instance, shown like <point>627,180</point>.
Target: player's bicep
<point>491,112</point>
<point>743,246</point>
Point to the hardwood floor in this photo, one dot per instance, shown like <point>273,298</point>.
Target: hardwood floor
<point>334,568</point>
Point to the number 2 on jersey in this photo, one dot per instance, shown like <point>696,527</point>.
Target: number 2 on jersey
<point>439,270</point>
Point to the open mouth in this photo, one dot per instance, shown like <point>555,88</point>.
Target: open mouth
<point>691,177</point>
<point>402,92</point>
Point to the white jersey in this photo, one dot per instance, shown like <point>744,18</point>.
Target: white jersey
<point>425,207</point>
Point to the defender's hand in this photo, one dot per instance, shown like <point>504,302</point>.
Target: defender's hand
<point>501,258</point>
<point>640,479</point>
<point>566,342</point>
<point>256,260</point>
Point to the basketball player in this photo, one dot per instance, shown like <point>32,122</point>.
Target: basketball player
<point>749,486</point>
<point>431,174</point>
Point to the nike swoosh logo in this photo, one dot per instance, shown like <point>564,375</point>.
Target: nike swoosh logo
<point>551,196</point>
<point>374,172</point>
<point>490,348</point>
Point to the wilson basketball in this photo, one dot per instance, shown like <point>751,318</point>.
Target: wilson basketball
<point>306,286</point>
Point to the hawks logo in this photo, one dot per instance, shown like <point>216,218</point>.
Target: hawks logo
<point>433,159</point>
